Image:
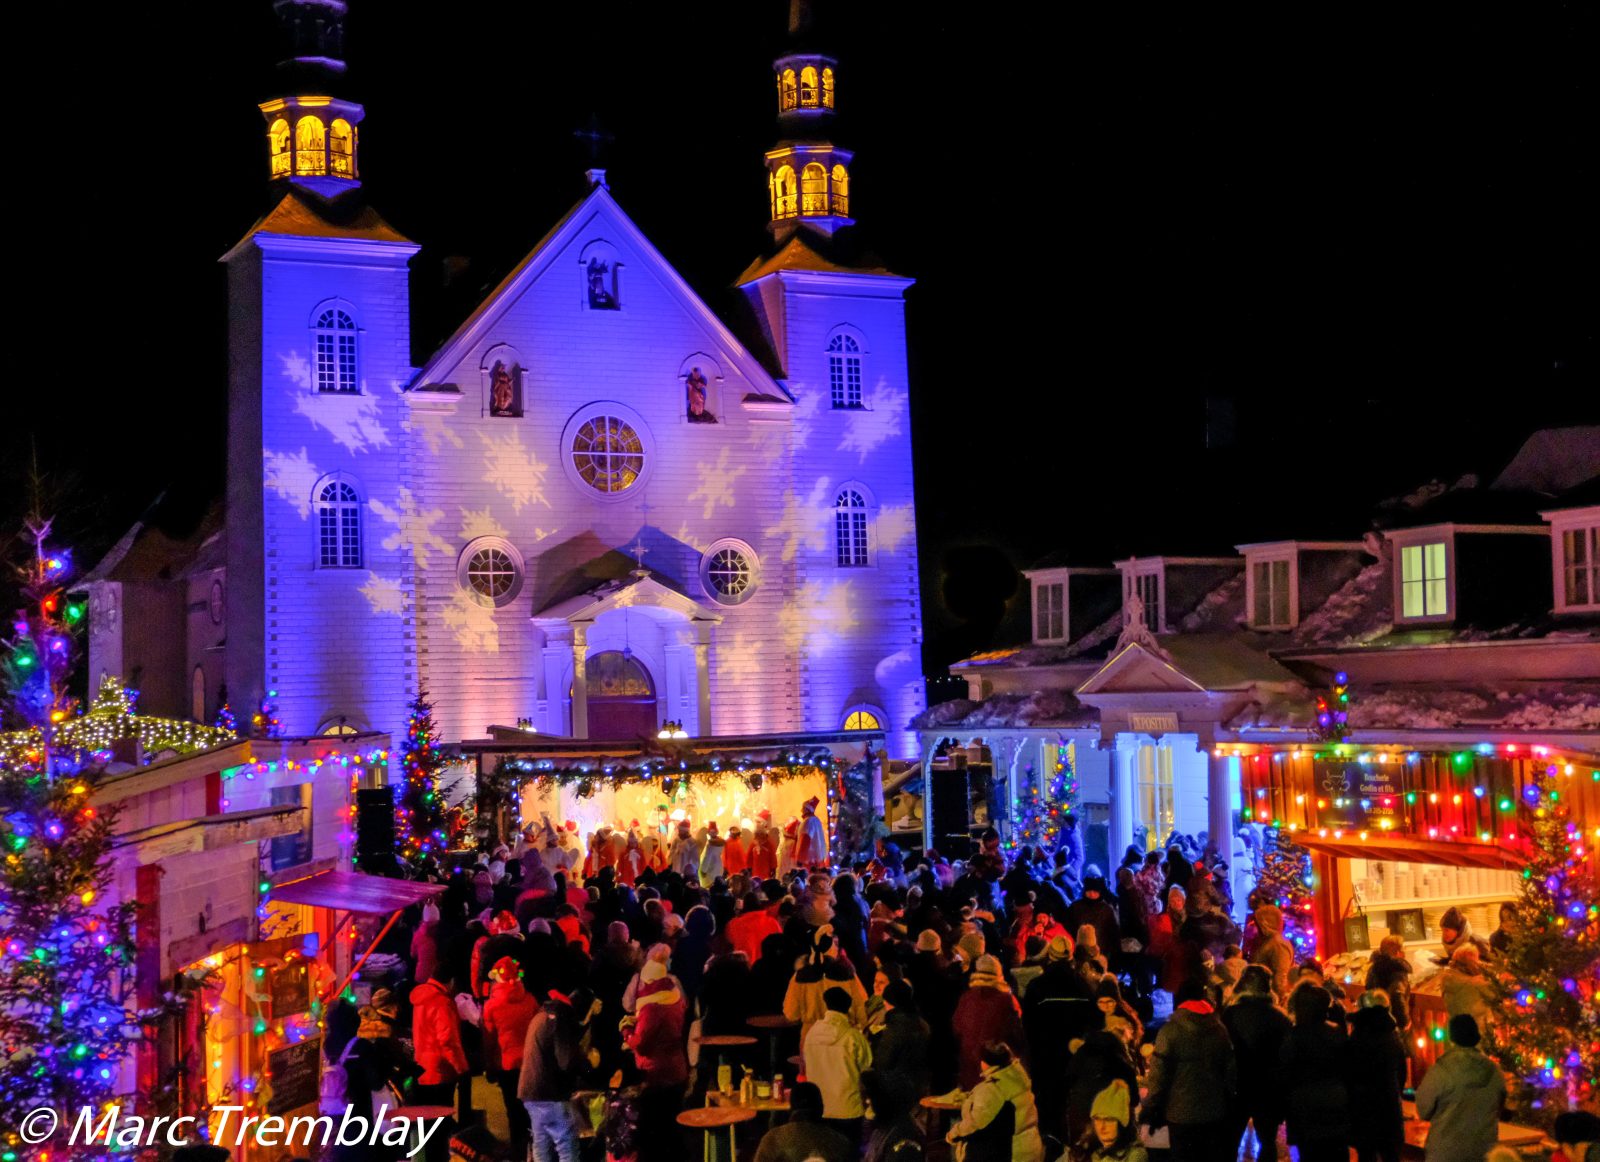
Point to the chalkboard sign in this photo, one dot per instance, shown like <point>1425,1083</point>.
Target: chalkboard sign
<point>295,1071</point>
<point>1408,924</point>
<point>291,990</point>
<point>1356,937</point>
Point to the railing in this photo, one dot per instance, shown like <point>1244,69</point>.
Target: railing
<point>341,164</point>
<point>787,207</point>
<point>814,203</point>
<point>841,204</point>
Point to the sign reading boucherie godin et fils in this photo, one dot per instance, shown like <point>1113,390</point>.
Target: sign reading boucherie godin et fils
<point>1357,796</point>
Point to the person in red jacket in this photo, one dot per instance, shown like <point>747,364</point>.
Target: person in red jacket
<point>507,1014</point>
<point>436,1037</point>
<point>655,1034</point>
<point>763,854</point>
<point>750,927</point>
<point>987,1011</point>
<point>734,856</point>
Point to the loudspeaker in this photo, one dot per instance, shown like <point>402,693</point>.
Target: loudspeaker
<point>952,835</point>
<point>374,822</point>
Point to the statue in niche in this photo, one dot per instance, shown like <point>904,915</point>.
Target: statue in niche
<point>602,297</point>
<point>502,395</point>
<point>695,385</point>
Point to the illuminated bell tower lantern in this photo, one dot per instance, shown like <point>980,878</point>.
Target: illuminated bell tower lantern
<point>311,136</point>
<point>808,177</point>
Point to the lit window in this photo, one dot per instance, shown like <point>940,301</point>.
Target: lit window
<point>1156,800</point>
<point>1270,597</point>
<point>337,728</point>
<point>1049,612</point>
<point>336,352</point>
<point>841,191</point>
<point>1423,589</point>
<point>342,149</point>
<point>850,529</point>
<point>729,575</point>
<point>310,152</point>
<point>608,454</point>
<point>1580,566</point>
<point>786,197</point>
<point>197,695</point>
<point>278,143</point>
<point>808,87</point>
<point>1147,587</point>
<point>827,88</point>
<point>862,720</point>
<point>814,190</point>
<point>844,371</point>
<point>339,523</point>
<point>787,98</point>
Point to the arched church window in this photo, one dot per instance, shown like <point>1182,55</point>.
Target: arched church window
<point>491,569</point>
<point>339,525</point>
<point>827,88</point>
<point>310,148</point>
<point>841,191</point>
<point>862,719</point>
<point>608,454</point>
<point>730,571</point>
<point>813,190</point>
<point>786,91</point>
<point>808,87</point>
<point>788,197</point>
<point>335,342</point>
<point>342,149</point>
<point>278,144</point>
<point>844,371</point>
<point>850,529</point>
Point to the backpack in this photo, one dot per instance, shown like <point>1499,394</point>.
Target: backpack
<point>333,1089</point>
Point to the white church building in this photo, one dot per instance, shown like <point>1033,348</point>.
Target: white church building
<point>594,509</point>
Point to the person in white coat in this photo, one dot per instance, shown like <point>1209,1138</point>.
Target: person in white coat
<point>811,848</point>
<point>711,845</point>
<point>836,1055</point>
<point>683,855</point>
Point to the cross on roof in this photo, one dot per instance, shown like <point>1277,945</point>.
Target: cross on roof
<point>638,550</point>
<point>596,137</point>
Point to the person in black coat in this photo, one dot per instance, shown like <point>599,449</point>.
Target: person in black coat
<point>1257,1028</point>
<point>1057,1010</point>
<point>1377,1076</point>
<point>1096,908</point>
<point>850,927</point>
<point>1390,970</point>
<point>900,1053</point>
<point>1315,1066</point>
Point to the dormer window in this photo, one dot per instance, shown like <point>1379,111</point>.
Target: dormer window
<point>1049,611</point>
<point>1424,580</point>
<point>1145,583</point>
<point>1575,538</point>
<point>1271,593</point>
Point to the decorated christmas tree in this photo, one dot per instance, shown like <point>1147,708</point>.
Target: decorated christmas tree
<point>1333,711</point>
<point>425,823</point>
<point>1036,819</point>
<point>1550,1039</point>
<point>66,957</point>
<point>1286,881</point>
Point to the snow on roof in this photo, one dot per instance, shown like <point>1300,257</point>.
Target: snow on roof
<point>305,215</point>
<point>1220,609</point>
<point>1554,460</point>
<point>1566,706</point>
<point>1047,708</point>
<point>1358,612</point>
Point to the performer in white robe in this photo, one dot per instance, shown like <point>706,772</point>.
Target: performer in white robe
<point>683,854</point>
<point>811,850</point>
<point>786,846</point>
<point>711,845</point>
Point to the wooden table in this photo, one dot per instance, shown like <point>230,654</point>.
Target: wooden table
<point>721,1042</point>
<point>710,1119</point>
<point>762,1105</point>
<point>772,1026</point>
<point>1518,1138</point>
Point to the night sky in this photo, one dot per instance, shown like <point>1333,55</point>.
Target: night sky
<point>1187,277</point>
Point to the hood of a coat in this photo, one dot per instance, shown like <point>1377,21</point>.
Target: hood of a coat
<point>1011,1080</point>
<point>1269,920</point>
<point>1372,1022</point>
<point>509,992</point>
<point>429,992</point>
<point>833,1029</point>
<point>1468,1067</point>
<point>700,922</point>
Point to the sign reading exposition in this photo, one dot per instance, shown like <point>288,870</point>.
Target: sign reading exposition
<point>1354,796</point>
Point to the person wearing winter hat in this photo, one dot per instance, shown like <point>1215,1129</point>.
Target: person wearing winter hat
<point>547,1077</point>
<point>1257,1027</point>
<point>683,854</point>
<point>764,848</point>
<point>1576,1134</point>
<point>928,941</point>
<point>986,1012</point>
<point>786,849</point>
<point>1113,1135</point>
<point>1192,1078</point>
<point>811,848</point>
<point>1461,1096</point>
<point>656,1036</point>
<point>1455,931</point>
<point>735,859</point>
<point>1272,951</point>
<point>1117,1016</point>
<point>803,1001</point>
<point>506,1016</point>
<point>711,843</point>
<point>1095,907</point>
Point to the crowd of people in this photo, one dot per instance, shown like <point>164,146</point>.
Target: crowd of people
<point>1058,1012</point>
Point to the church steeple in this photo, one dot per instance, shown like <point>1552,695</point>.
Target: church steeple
<point>808,177</point>
<point>311,136</point>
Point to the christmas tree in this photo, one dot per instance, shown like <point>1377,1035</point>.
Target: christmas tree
<point>39,657</point>
<point>1286,881</point>
<point>426,823</point>
<point>66,958</point>
<point>1550,1040</point>
<point>1333,711</point>
<point>1036,819</point>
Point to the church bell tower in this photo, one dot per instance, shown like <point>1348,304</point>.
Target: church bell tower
<point>311,135</point>
<point>808,177</point>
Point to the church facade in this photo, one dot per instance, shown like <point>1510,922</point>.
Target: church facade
<point>596,508</point>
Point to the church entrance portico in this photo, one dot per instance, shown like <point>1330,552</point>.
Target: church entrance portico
<point>627,657</point>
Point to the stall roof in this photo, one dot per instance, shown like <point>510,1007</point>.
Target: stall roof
<point>1400,847</point>
<point>354,892</point>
